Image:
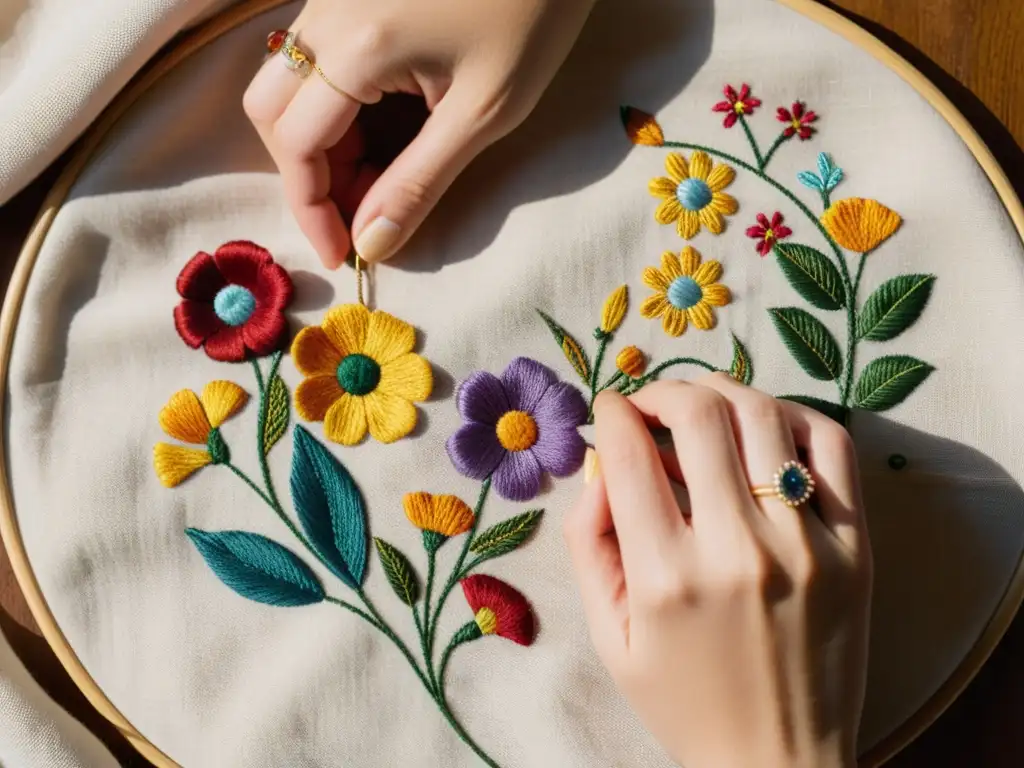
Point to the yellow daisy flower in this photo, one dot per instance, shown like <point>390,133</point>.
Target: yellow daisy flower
<point>685,292</point>
<point>692,195</point>
<point>196,419</point>
<point>439,517</point>
<point>361,374</point>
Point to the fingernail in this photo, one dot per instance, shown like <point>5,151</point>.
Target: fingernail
<point>591,468</point>
<point>379,239</point>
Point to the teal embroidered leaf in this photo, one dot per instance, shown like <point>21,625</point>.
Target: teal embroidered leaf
<point>330,508</point>
<point>506,536</point>
<point>810,180</point>
<point>276,421</point>
<point>399,571</point>
<point>894,307</point>
<point>888,381</point>
<point>257,568</point>
<point>808,341</point>
<point>570,348</point>
<point>812,275</point>
<point>834,411</point>
<point>742,369</point>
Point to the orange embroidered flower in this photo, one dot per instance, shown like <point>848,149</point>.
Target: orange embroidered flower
<point>860,225</point>
<point>692,194</point>
<point>641,127</point>
<point>361,374</point>
<point>631,361</point>
<point>196,419</point>
<point>614,310</point>
<point>439,517</point>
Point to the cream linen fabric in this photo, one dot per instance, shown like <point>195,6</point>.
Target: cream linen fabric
<point>554,217</point>
<point>36,732</point>
<point>62,61</point>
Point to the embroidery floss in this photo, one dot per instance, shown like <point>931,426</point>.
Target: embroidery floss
<point>860,225</point>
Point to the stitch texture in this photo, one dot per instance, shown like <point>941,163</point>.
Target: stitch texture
<point>614,310</point>
<point>398,571</point>
<point>631,361</point>
<point>641,127</point>
<point>692,196</point>
<point>736,105</point>
<point>506,536</point>
<point>445,515</point>
<point>860,225</point>
<point>685,292</point>
<point>768,233</point>
<point>499,608</point>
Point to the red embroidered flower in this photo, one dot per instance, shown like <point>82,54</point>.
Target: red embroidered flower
<point>799,121</point>
<point>736,104</point>
<point>233,302</point>
<point>499,609</point>
<point>768,232</point>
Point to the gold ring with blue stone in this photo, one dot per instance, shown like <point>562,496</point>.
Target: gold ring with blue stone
<point>793,485</point>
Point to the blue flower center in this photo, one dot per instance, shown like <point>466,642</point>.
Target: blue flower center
<point>694,194</point>
<point>358,374</point>
<point>793,484</point>
<point>684,292</point>
<point>234,304</point>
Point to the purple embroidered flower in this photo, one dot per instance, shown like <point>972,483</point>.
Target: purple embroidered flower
<point>518,427</point>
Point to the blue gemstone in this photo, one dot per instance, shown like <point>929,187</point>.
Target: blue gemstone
<point>694,194</point>
<point>684,292</point>
<point>793,484</point>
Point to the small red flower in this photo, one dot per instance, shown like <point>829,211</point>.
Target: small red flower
<point>233,302</point>
<point>768,232</point>
<point>736,104</point>
<point>499,608</point>
<point>799,121</point>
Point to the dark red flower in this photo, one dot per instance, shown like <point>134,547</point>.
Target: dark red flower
<point>799,121</point>
<point>233,302</point>
<point>499,609</point>
<point>736,104</point>
<point>768,232</point>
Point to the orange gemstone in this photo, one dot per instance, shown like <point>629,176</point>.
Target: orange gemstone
<point>276,39</point>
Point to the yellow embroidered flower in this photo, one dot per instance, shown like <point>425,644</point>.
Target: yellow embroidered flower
<point>692,195</point>
<point>631,361</point>
<point>686,291</point>
<point>361,375</point>
<point>614,310</point>
<point>196,419</point>
<point>439,517</point>
<point>860,225</point>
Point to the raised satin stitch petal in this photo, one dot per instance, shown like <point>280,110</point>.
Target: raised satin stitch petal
<point>200,279</point>
<point>721,177</point>
<point>674,321</point>
<point>389,418</point>
<point>655,279</point>
<point>265,331</point>
<point>388,337</point>
<point>345,421</point>
<point>662,187</point>
<point>451,515</point>
<point>654,306</point>
<point>671,266</point>
<point>700,165</point>
<point>274,286</point>
<point>221,400</point>
<point>314,396</point>
<point>614,310</point>
<point>689,260</point>
<point>183,418</point>
<point>474,450</point>
<point>227,344</point>
<point>408,377</point>
<point>517,477</point>
<point>196,322</point>
<point>481,398</point>
<point>346,327</point>
<point>419,508</point>
<point>525,381</point>
<point>314,354</point>
<point>717,295</point>
<point>240,261</point>
<point>675,164</point>
<point>860,225</point>
<point>688,224</point>
<point>560,452</point>
<point>725,204</point>
<point>713,220</point>
<point>174,463</point>
<point>708,272</point>
<point>668,210</point>
<point>701,316</point>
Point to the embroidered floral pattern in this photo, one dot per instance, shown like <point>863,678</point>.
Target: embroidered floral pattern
<point>642,128</point>
<point>498,609</point>
<point>685,292</point>
<point>767,233</point>
<point>692,194</point>
<point>632,362</point>
<point>826,281</point>
<point>233,302</point>
<point>362,375</point>
<point>439,517</point>
<point>736,105</point>
<point>518,427</point>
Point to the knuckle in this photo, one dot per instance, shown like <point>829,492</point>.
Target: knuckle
<point>701,407</point>
<point>668,591</point>
<point>764,408</point>
<point>254,106</point>
<point>414,194</point>
<point>372,40</point>
<point>835,439</point>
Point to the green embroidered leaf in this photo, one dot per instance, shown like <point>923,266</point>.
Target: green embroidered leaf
<point>742,370</point>
<point>330,508</point>
<point>812,275</point>
<point>808,341</point>
<point>399,571</point>
<point>276,420</point>
<point>570,348</point>
<point>888,381</point>
<point>894,307</point>
<point>507,535</point>
<point>834,411</point>
<point>257,568</point>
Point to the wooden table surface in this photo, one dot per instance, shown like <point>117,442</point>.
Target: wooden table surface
<point>974,51</point>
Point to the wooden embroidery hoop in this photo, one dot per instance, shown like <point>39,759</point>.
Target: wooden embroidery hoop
<point>9,532</point>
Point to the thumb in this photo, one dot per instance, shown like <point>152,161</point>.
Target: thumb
<point>408,190</point>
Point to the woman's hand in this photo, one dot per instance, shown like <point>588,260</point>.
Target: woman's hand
<point>737,628</point>
<point>481,65</point>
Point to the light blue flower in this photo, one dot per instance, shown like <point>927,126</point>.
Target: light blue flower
<point>828,177</point>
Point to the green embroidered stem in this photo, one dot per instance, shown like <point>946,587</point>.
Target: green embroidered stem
<point>774,148</point>
<point>259,378</point>
<point>826,200</point>
<point>602,346</point>
<point>636,384</point>
<point>268,482</point>
<point>425,632</point>
<point>761,162</point>
<point>457,571</point>
<point>860,273</point>
<point>612,380</point>
<point>844,271</point>
<point>349,607</point>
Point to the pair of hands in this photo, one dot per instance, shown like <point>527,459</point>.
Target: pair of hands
<point>735,627</point>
